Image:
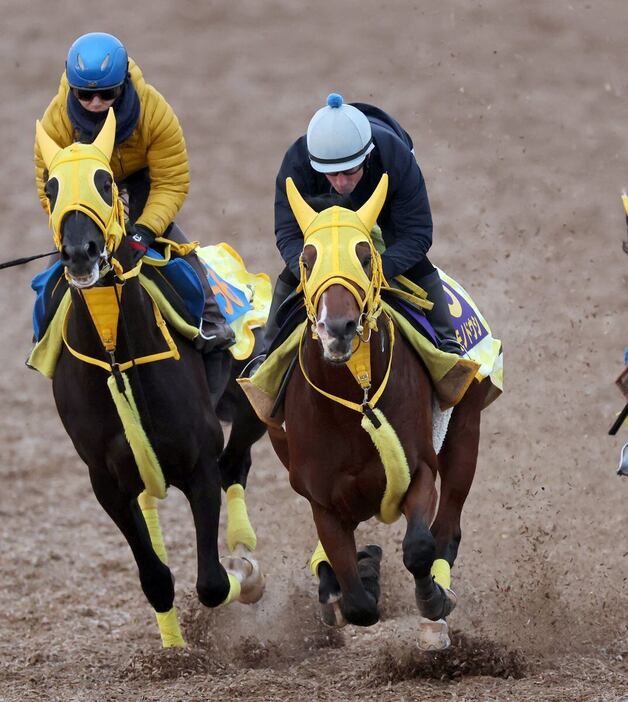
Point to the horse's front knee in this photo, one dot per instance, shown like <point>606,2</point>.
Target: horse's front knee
<point>419,551</point>
<point>212,591</point>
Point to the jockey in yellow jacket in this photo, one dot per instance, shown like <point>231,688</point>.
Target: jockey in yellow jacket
<point>149,161</point>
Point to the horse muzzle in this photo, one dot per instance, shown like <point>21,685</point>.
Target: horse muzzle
<point>336,337</point>
<point>82,264</point>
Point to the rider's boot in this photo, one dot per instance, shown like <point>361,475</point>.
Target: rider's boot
<point>215,334</point>
<point>439,316</point>
<point>280,294</point>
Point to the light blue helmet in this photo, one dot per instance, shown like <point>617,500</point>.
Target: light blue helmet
<point>339,136</point>
<point>96,60</point>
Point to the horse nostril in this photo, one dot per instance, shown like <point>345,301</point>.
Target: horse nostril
<point>92,250</point>
<point>65,256</point>
<point>351,327</point>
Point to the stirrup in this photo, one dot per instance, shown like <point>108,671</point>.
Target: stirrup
<point>249,370</point>
<point>221,342</point>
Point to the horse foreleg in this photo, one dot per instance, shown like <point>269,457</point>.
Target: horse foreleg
<point>202,489</point>
<point>234,464</point>
<point>246,429</point>
<point>419,550</point>
<point>359,585</point>
<point>456,466</point>
<point>155,577</point>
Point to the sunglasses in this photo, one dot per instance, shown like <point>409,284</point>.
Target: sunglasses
<point>348,172</point>
<point>105,94</point>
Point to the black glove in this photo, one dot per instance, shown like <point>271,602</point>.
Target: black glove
<point>140,238</point>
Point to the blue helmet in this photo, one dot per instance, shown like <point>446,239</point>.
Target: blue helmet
<point>96,60</point>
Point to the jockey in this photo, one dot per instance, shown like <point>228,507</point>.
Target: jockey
<point>149,161</point>
<point>346,150</point>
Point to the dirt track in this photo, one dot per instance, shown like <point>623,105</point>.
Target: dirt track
<point>518,112</point>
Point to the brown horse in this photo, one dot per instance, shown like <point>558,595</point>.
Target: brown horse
<point>333,461</point>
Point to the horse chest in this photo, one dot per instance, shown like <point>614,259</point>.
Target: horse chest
<point>349,483</point>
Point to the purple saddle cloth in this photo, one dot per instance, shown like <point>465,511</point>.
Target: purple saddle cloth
<point>412,314</point>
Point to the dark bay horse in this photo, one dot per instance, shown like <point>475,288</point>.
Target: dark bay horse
<point>132,393</point>
<point>358,427</point>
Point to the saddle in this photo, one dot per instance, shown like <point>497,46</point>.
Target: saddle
<point>450,374</point>
<point>244,299</point>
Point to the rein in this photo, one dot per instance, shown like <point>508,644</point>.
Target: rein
<point>21,261</point>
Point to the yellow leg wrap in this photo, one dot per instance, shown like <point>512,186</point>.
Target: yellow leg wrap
<point>319,556</point>
<point>234,590</point>
<point>166,621</point>
<point>441,572</point>
<point>239,529</point>
<point>169,629</point>
<point>148,505</point>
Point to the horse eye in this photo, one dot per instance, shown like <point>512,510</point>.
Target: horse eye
<point>103,183</point>
<point>366,263</point>
<point>306,265</point>
<point>51,189</point>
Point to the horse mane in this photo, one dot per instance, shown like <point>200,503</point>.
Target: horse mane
<point>323,202</point>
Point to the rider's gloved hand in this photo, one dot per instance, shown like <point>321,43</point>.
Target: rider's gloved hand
<point>140,238</point>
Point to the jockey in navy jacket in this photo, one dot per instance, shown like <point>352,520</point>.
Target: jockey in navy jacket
<point>405,220</point>
<point>347,149</point>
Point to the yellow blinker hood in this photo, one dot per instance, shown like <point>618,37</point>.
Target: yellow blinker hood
<point>335,233</point>
<point>74,169</point>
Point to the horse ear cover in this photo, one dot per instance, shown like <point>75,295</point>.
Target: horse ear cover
<point>49,148</point>
<point>303,213</point>
<point>369,212</point>
<point>106,138</point>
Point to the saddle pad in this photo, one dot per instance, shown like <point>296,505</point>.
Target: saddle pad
<point>49,286</point>
<point>244,297</point>
<point>475,336</point>
<point>449,373</point>
<point>45,354</point>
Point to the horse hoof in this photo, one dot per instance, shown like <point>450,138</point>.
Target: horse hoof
<point>433,636</point>
<point>452,598</point>
<point>332,614</point>
<point>248,572</point>
<point>254,584</point>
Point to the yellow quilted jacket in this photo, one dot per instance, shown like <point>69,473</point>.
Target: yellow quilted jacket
<point>156,142</point>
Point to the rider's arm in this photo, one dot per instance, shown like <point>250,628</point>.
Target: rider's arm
<point>288,235</point>
<point>167,161</point>
<point>410,215</point>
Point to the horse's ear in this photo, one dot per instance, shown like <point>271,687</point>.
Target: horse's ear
<point>369,212</point>
<point>107,136</point>
<point>47,145</point>
<point>303,213</point>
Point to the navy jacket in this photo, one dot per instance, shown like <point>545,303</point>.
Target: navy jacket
<point>405,220</point>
